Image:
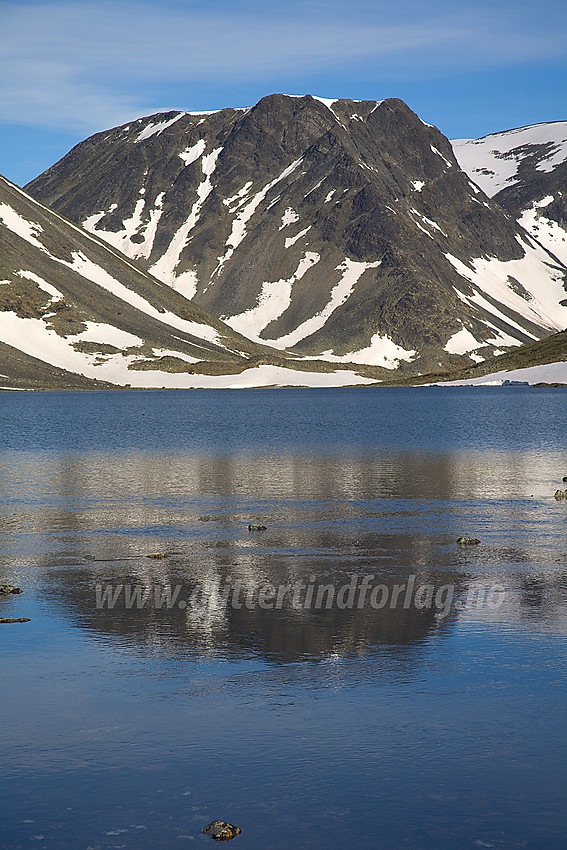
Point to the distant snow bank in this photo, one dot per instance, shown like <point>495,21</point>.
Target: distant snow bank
<point>548,373</point>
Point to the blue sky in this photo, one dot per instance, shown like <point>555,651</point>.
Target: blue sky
<point>69,68</point>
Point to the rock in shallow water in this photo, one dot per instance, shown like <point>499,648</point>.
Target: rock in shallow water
<point>560,494</point>
<point>467,541</point>
<point>220,830</point>
<point>5,589</point>
<point>15,620</point>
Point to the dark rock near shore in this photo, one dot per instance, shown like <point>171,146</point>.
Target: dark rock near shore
<point>15,620</point>
<point>560,494</point>
<point>6,589</point>
<point>257,528</point>
<point>220,830</point>
<point>468,541</point>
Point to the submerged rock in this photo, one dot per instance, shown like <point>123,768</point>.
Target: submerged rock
<point>157,556</point>
<point>467,541</point>
<point>5,589</point>
<point>257,528</point>
<point>220,830</point>
<point>15,620</point>
<point>560,494</point>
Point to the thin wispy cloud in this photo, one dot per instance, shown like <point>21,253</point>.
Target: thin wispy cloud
<point>86,65</point>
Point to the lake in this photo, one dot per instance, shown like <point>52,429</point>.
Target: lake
<point>251,606</point>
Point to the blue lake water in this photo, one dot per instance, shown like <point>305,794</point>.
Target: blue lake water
<point>431,722</point>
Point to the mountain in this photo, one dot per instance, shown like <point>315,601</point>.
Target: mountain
<point>525,171</point>
<point>336,229</point>
<point>75,313</point>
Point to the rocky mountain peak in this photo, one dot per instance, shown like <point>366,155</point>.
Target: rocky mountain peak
<point>339,229</point>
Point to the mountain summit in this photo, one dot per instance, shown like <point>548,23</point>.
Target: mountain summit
<point>343,230</point>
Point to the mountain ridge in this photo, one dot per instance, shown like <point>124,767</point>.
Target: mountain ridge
<point>343,231</point>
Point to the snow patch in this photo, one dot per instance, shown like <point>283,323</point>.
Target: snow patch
<point>156,128</point>
<point>239,195</point>
<point>180,355</point>
<point>106,334</point>
<point>289,217</point>
<point>33,338</point>
<point>186,283</point>
<point>99,276</point>
<point>316,186</point>
<point>382,351</point>
<point>122,239</point>
<point>164,268</point>
<point>428,221</point>
<point>444,158</point>
<point>193,153</point>
<point>501,338</point>
<point>273,301</point>
<point>352,272</point>
<point>291,240</point>
<point>462,342</point>
<point>47,287</point>
<point>20,226</point>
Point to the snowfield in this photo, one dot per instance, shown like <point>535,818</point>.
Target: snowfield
<point>532,287</point>
<point>493,161</point>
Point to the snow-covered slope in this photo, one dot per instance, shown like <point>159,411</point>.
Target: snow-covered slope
<point>525,170</point>
<point>497,161</point>
<point>73,312</point>
<point>339,229</point>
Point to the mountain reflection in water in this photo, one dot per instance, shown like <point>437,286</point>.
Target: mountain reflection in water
<point>386,514</point>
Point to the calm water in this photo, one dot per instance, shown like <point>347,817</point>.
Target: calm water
<point>351,726</point>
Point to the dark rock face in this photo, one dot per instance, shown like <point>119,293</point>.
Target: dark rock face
<point>343,229</point>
